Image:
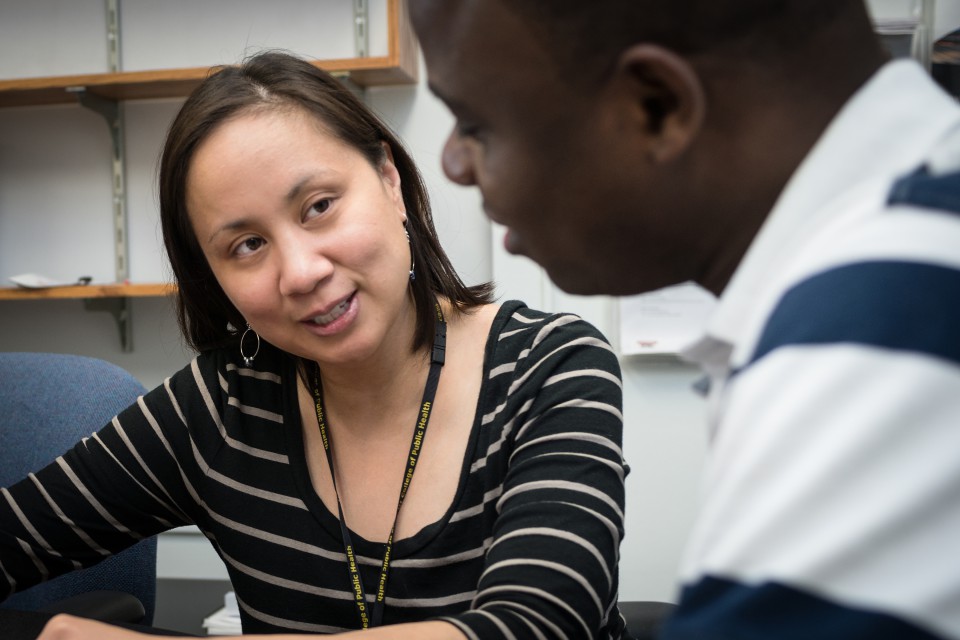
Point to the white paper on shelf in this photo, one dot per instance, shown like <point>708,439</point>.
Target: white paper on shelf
<point>38,281</point>
<point>35,281</point>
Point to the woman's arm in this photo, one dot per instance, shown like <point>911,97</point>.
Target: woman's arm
<point>551,567</point>
<point>64,627</point>
<point>108,492</point>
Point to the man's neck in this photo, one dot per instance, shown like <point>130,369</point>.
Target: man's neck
<point>772,124</point>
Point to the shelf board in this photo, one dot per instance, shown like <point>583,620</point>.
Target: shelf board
<point>169,83</point>
<point>399,66</point>
<point>89,291</point>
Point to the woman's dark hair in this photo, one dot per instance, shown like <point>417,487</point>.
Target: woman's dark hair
<point>276,80</point>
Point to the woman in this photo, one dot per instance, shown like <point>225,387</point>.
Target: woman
<point>366,441</point>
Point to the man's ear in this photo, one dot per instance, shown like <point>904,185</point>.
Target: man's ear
<point>667,97</point>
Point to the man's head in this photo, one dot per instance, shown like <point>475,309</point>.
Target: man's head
<point>632,144</point>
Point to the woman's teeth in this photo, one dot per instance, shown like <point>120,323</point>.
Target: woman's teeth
<point>335,313</point>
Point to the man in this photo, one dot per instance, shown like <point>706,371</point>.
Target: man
<point>768,151</point>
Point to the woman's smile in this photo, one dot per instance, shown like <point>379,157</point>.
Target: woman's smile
<point>338,319</point>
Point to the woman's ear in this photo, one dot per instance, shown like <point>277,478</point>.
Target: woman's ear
<point>667,97</point>
<point>391,177</point>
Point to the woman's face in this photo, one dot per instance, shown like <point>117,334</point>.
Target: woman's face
<point>304,235</point>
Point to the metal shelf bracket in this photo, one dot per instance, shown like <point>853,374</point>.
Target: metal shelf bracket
<point>112,113</point>
<point>119,308</point>
<point>361,22</point>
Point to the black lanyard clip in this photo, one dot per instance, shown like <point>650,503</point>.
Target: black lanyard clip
<point>439,354</point>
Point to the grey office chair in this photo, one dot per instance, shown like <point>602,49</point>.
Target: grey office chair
<point>48,402</point>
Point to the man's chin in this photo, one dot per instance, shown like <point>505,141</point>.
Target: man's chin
<point>578,280</point>
<point>575,280</point>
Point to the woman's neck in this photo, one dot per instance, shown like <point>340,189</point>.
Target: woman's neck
<point>366,395</point>
<point>379,385</point>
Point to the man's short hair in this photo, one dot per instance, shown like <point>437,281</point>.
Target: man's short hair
<point>593,33</point>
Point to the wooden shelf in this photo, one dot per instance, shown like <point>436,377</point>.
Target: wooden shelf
<point>87,292</point>
<point>171,83</point>
<point>399,66</point>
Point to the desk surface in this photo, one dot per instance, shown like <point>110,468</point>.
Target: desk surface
<point>27,625</point>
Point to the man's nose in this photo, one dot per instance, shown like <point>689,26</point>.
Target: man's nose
<point>457,160</point>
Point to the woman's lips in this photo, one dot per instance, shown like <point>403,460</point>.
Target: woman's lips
<point>337,319</point>
<point>333,314</point>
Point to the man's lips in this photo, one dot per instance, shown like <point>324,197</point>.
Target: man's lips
<point>511,242</point>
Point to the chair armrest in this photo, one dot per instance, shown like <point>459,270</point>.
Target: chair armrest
<point>105,606</point>
<point>644,618</point>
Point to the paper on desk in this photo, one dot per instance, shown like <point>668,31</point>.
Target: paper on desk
<point>225,621</point>
<point>664,321</point>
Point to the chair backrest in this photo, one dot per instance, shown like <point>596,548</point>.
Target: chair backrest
<point>48,402</point>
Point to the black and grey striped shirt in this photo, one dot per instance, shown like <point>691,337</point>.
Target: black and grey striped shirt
<point>528,549</point>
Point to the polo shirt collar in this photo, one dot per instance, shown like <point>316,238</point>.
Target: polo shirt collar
<point>884,130</point>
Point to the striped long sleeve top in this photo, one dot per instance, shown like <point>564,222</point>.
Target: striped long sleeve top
<point>528,548</point>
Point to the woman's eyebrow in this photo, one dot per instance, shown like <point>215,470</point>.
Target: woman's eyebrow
<point>300,184</point>
<point>292,194</point>
<point>230,226</point>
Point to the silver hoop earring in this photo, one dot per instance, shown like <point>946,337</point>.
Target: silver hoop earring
<point>248,360</point>
<point>413,259</point>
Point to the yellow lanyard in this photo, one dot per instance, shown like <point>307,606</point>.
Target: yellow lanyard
<point>375,617</point>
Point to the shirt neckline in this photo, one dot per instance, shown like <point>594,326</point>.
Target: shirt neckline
<point>408,546</point>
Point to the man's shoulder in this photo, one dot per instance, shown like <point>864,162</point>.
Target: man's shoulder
<point>892,304</point>
<point>888,279</point>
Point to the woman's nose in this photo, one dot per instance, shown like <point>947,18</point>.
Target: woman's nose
<point>303,265</point>
<point>457,160</point>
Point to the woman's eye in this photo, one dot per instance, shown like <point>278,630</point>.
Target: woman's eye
<point>319,207</point>
<point>248,246</point>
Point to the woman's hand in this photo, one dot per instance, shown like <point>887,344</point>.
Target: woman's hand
<point>64,627</point>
